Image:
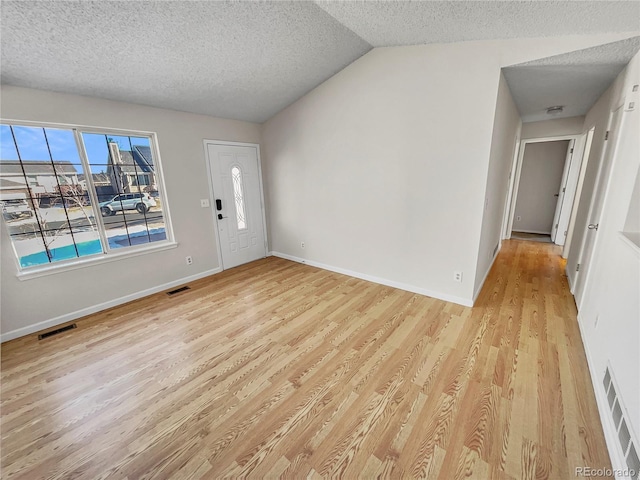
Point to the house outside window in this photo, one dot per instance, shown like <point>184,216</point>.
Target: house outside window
<point>70,193</point>
<point>142,180</point>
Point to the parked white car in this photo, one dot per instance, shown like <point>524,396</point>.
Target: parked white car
<point>141,202</point>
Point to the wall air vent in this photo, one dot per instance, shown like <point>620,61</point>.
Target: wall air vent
<point>42,336</point>
<point>178,290</point>
<point>625,438</point>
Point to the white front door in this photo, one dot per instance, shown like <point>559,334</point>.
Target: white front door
<point>237,191</point>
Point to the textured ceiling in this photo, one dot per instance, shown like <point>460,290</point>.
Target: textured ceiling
<point>249,60</point>
<point>387,23</point>
<point>575,80</point>
<point>243,60</point>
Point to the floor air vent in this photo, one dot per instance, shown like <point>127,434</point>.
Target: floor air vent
<point>42,336</point>
<point>178,290</point>
<point>629,449</point>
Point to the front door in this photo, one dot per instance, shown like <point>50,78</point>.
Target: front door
<point>237,191</point>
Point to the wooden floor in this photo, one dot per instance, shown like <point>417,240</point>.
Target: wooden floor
<point>280,370</point>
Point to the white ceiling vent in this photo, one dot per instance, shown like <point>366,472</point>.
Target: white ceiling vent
<point>555,110</point>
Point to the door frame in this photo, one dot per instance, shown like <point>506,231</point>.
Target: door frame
<point>516,171</point>
<point>212,198</point>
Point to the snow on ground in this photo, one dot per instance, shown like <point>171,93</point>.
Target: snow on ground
<point>29,246</point>
<point>34,245</point>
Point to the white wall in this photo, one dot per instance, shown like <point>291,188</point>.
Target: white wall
<point>610,312</point>
<point>180,136</point>
<point>556,127</point>
<point>382,170</point>
<point>504,139</point>
<point>375,169</point>
<point>540,179</point>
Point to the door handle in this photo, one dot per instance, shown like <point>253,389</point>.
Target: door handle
<point>556,194</point>
<point>220,217</point>
<point>593,226</point>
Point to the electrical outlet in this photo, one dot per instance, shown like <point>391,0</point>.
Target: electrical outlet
<point>301,244</point>
<point>518,218</point>
<point>457,277</point>
<point>189,260</point>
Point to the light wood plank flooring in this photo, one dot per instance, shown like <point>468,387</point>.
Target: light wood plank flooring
<point>280,370</point>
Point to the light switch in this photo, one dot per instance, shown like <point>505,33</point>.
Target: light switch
<point>204,203</point>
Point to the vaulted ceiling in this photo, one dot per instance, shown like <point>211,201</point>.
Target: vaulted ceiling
<point>249,60</point>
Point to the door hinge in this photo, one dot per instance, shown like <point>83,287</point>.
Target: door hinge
<point>578,268</point>
<point>565,233</point>
<point>563,190</point>
<point>606,135</point>
<point>571,151</point>
<point>556,226</point>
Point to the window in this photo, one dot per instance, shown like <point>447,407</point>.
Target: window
<point>69,193</point>
<point>142,180</point>
<point>238,195</point>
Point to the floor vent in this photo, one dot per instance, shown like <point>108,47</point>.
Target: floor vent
<point>178,290</point>
<point>42,336</point>
<point>629,449</point>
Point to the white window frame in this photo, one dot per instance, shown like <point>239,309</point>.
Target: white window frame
<point>109,255</point>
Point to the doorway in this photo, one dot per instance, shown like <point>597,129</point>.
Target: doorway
<point>238,205</point>
<point>543,189</point>
<point>538,201</point>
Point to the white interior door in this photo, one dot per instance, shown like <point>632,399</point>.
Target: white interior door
<point>569,189</point>
<point>237,191</point>
<point>584,162</point>
<point>558,232</point>
<point>595,207</point>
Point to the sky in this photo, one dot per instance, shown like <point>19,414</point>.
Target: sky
<point>32,145</point>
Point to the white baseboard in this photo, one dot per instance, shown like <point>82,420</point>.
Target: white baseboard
<point>486,274</point>
<point>610,435</point>
<point>538,232</point>
<point>382,281</point>
<point>36,327</point>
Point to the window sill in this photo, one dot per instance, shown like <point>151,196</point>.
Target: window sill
<point>37,272</point>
